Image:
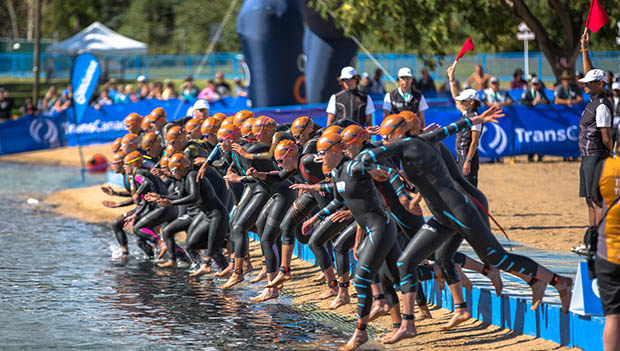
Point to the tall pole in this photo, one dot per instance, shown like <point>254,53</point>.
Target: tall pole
<point>526,58</point>
<point>37,47</point>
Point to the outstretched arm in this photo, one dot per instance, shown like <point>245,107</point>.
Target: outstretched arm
<point>490,115</point>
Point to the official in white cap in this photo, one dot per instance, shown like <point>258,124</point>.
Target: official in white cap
<point>595,142</point>
<point>405,97</point>
<point>468,102</point>
<point>201,109</point>
<point>350,103</point>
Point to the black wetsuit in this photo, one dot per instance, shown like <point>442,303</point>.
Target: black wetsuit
<point>209,225</point>
<point>354,187</point>
<point>453,211</point>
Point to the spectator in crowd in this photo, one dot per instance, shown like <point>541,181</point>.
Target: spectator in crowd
<point>241,89</point>
<point>130,93</point>
<point>568,93</point>
<point>425,84</point>
<point>120,97</point>
<point>517,80</point>
<point>112,88</point>
<point>221,87</point>
<point>534,95</point>
<point>615,97</point>
<point>143,88</point>
<point>405,98</point>
<point>531,97</point>
<point>494,95</point>
<point>49,100</point>
<point>156,91</point>
<point>6,104</point>
<point>103,99</point>
<point>445,87</point>
<point>64,102</point>
<point>480,78</point>
<point>169,92</point>
<point>189,90</point>
<point>200,110</point>
<point>28,108</point>
<point>350,103</point>
<point>377,86</point>
<point>209,93</point>
<point>610,81</point>
<point>364,85</point>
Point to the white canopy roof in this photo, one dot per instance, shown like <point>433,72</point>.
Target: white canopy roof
<point>98,39</point>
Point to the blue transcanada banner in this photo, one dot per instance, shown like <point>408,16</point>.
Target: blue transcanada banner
<point>546,130</point>
<point>85,71</point>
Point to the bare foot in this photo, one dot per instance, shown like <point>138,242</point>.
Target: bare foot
<point>204,269</point>
<point>402,333</point>
<point>378,311</point>
<point>425,313</point>
<point>359,338</point>
<point>538,292</point>
<point>268,294</point>
<point>232,281</point>
<point>262,275</point>
<point>168,264</point>
<point>439,276</point>
<point>319,278</point>
<point>226,272</point>
<point>496,279</point>
<point>279,279</point>
<point>459,317</point>
<point>262,292</point>
<point>340,300</point>
<point>329,292</point>
<point>162,252</point>
<point>564,287</point>
<point>387,336</point>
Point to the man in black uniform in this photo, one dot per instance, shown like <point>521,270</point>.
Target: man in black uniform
<point>405,98</point>
<point>350,103</point>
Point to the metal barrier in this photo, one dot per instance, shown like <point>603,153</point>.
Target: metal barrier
<point>502,65</point>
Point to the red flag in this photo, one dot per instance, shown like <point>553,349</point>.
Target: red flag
<point>469,45</point>
<point>597,16</point>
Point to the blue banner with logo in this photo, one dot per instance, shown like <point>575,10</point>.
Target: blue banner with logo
<point>85,72</point>
<point>31,132</point>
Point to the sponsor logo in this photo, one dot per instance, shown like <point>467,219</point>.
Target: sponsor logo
<point>44,131</point>
<point>340,186</point>
<point>96,126</point>
<point>545,136</point>
<point>498,143</point>
<point>80,93</point>
<point>428,227</point>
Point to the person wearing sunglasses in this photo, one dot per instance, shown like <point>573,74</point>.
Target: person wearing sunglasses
<point>152,147</point>
<point>209,217</point>
<point>133,123</point>
<point>405,97</point>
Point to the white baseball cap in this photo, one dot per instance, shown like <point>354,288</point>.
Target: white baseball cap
<point>468,94</point>
<point>141,78</point>
<point>405,72</point>
<point>201,104</point>
<point>615,86</point>
<point>535,81</point>
<point>348,73</point>
<point>594,75</point>
<point>365,75</point>
<point>494,80</point>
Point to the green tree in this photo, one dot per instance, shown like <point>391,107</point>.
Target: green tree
<point>196,31</point>
<point>432,27</point>
<point>152,22</point>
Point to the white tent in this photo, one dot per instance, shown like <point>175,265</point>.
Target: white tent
<point>98,39</point>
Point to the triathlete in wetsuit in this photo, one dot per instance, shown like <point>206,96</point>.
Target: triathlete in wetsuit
<point>281,196</point>
<point>354,186</point>
<point>453,212</point>
<point>210,223</point>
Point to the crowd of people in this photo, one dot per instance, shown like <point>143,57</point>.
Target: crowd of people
<point>218,177</point>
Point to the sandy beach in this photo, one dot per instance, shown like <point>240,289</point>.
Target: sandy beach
<point>536,203</point>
